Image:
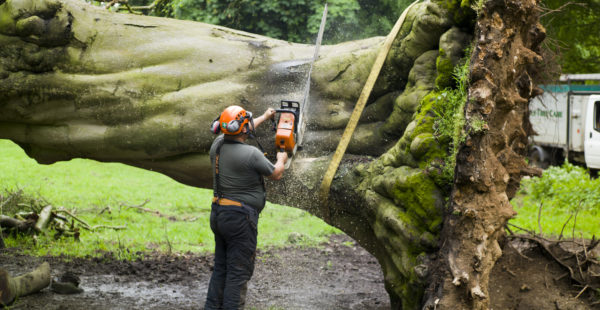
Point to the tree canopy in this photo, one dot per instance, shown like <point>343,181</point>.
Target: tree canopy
<point>293,20</point>
<point>573,28</point>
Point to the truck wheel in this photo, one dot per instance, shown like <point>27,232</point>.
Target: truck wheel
<point>539,158</point>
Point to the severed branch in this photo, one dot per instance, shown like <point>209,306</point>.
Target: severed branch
<point>141,208</point>
<point>82,222</point>
<point>125,3</point>
<point>12,288</point>
<point>43,219</point>
<point>96,227</point>
<point>9,222</point>
<point>58,219</point>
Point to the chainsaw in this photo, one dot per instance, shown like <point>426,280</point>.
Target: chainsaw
<point>287,126</point>
<point>292,115</point>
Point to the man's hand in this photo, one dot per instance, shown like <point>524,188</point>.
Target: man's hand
<point>282,157</point>
<point>269,113</point>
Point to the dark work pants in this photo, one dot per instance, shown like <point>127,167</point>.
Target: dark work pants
<point>235,250</point>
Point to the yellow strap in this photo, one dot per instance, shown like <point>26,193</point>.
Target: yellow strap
<point>358,108</point>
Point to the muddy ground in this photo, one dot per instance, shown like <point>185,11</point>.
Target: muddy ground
<point>336,275</point>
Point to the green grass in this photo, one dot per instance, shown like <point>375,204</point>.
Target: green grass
<point>552,220</point>
<point>88,187</point>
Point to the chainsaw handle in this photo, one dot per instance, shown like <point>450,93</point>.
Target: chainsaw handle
<point>285,111</point>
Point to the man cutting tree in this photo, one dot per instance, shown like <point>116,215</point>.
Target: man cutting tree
<point>239,197</point>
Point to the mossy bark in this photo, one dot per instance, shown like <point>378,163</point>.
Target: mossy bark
<point>78,81</point>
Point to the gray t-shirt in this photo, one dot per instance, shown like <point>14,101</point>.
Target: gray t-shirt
<point>241,167</point>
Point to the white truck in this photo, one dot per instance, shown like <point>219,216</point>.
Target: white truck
<point>566,119</point>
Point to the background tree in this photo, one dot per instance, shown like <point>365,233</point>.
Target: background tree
<point>573,28</point>
<point>296,21</point>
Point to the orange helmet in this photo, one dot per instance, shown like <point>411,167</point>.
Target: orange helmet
<point>232,120</point>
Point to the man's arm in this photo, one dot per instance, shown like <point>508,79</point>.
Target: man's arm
<point>279,166</point>
<point>269,113</point>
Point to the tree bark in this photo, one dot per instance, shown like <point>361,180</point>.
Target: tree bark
<point>78,81</point>
<point>503,70</point>
<point>12,288</point>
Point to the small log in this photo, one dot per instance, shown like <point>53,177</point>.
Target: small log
<point>2,245</point>
<point>44,218</point>
<point>29,283</point>
<point>9,222</point>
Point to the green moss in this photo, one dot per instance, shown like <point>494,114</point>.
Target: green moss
<point>477,125</point>
<point>418,195</point>
<point>445,68</point>
<point>460,10</point>
<point>424,119</point>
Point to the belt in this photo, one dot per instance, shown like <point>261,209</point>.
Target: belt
<point>226,202</point>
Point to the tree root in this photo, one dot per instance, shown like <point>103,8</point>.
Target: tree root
<point>579,258</point>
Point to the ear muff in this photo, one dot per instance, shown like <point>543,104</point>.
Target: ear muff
<point>214,127</point>
<point>233,125</point>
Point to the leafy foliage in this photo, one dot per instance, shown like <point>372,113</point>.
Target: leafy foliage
<point>572,30</point>
<point>450,118</point>
<point>568,188</point>
<point>293,20</point>
<point>564,201</point>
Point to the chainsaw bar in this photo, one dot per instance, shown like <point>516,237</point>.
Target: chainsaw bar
<point>306,101</point>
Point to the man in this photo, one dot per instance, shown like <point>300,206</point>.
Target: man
<point>239,197</point>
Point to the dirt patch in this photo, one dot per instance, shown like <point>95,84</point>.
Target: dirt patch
<point>530,279</point>
<point>336,275</point>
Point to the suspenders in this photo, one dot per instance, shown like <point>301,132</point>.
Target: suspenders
<point>218,195</point>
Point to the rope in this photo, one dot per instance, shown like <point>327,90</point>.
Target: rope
<point>358,108</point>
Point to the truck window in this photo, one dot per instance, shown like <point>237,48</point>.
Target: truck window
<point>597,115</point>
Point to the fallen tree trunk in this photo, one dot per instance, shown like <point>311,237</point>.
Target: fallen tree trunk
<point>78,81</point>
<point>12,288</point>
